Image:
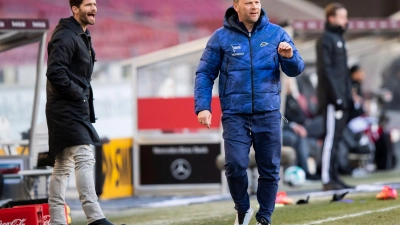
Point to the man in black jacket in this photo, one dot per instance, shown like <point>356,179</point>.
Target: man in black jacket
<point>334,90</point>
<point>69,112</point>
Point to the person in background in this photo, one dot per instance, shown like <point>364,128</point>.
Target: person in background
<point>357,76</point>
<point>296,132</point>
<point>334,91</point>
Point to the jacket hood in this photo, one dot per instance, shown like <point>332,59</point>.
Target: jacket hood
<point>72,24</point>
<point>231,20</point>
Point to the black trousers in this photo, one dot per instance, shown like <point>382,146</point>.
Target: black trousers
<point>335,122</point>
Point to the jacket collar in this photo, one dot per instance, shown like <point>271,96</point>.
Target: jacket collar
<point>335,29</point>
<point>72,24</point>
<point>231,21</point>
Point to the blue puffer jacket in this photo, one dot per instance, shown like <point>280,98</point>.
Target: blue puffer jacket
<point>247,65</point>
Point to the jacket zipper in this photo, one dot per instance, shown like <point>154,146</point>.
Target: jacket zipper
<point>252,75</point>
<point>90,52</point>
<point>347,94</point>
<point>88,42</point>
<point>252,72</point>
<point>226,81</point>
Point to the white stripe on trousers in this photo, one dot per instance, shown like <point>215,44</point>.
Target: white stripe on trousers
<point>328,143</point>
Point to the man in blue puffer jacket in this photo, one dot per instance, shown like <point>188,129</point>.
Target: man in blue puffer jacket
<point>246,54</point>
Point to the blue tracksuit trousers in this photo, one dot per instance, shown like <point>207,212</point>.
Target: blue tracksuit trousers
<point>263,131</point>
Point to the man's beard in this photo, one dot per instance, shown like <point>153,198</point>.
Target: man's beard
<point>251,20</point>
<point>84,18</point>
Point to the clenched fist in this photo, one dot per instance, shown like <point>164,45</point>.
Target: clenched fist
<point>285,50</point>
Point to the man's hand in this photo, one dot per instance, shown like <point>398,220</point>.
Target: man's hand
<point>299,130</point>
<point>204,118</point>
<point>356,98</point>
<point>285,50</point>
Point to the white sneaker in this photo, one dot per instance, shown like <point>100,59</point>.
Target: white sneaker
<point>246,219</point>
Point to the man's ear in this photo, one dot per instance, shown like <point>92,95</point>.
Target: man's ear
<point>75,10</point>
<point>236,7</point>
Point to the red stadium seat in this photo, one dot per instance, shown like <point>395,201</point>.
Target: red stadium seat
<point>124,28</point>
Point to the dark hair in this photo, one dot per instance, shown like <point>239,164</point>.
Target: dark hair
<point>76,3</point>
<point>354,68</point>
<point>330,9</point>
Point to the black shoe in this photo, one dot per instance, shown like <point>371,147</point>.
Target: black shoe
<point>263,221</point>
<point>313,177</point>
<point>339,196</point>
<point>332,186</point>
<point>103,221</point>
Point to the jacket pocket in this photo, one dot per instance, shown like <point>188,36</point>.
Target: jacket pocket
<point>276,63</point>
<point>277,74</point>
<point>277,80</point>
<point>227,76</point>
<point>271,58</point>
<point>83,100</point>
<point>82,106</point>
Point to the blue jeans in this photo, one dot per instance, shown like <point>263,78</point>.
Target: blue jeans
<point>300,145</point>
<point>263,131</point>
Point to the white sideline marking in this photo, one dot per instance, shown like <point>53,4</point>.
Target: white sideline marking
<point>185,201</point>
<point>352,215</point>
